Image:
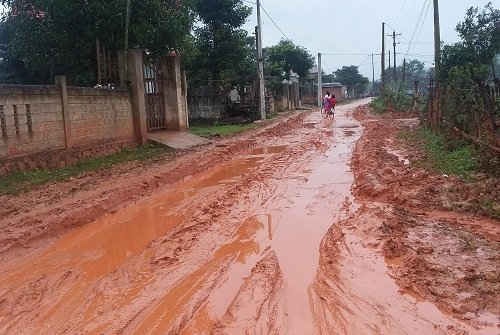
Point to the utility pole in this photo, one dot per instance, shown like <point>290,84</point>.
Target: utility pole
<point>395,60</point>
<point>394,45</point>
<point>389,60</point>
<point>320,81</point>
<point>373,71</point>
<point>404,71</point>
<point>260,60</point>
<point>437,60</point>
<point>382,74</point>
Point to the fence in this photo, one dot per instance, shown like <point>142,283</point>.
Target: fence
<point>39,123</point>
<point>472,112</point>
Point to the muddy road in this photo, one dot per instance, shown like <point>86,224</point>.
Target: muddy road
<point>255,235</point>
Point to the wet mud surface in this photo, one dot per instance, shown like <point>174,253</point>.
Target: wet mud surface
<point>286,230</point>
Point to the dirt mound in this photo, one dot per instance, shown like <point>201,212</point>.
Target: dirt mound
<point>449,258</point>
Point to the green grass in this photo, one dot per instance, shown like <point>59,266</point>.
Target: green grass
<point>448,158</point>
<point>220,130</point>
<point>18,182</point>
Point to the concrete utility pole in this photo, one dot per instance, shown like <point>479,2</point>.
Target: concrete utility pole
<point>404,70</point>
<point>373,71</point>
<point>437,39</point>
<point>320,81</point>
<point>394,45</point>
<point>382,75</point>
<point>260,61</point>
<point>389,60</point>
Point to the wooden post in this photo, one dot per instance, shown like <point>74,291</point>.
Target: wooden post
<point>382,75</point>
<point>437,59</point>
<point>260,61</point>
<point>60,82</point>
<point>99,64</point>
<point>320,82</point>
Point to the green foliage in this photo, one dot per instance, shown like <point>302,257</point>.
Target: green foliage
<point>22,181</point>
<point>222,53</point>
<point>443,155</point>
<point>349,76</point>
<point>220,130</point>
<point>392,98</point>
<point>415,71</point>
<point>48,37</point>
<point>282,59</point>
<point>479,43</point>
<point>466,100</point>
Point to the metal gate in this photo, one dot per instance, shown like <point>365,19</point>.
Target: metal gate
<point>155,107</point>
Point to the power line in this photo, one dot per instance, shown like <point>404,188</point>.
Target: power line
<point>423,20</point>
<point>274,23</point>
<point>419,22</point>
<point>348,53</point>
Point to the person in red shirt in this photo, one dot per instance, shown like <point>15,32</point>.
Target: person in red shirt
<point>333,102</point>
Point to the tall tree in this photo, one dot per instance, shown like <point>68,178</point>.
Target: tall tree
<point>349,76</point>
<point>284,58</point>
<point>46,37</point>
<point>223,51</point>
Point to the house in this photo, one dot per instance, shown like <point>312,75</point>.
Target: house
<point>309,88</point>
<point>338,89</point>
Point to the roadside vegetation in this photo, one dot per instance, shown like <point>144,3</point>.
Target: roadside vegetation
<point>17,182</point>
<point>464,137</point>
<point>216,130</point>
<point>442,155</point>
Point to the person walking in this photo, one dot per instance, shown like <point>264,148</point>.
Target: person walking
<point>326,104</point>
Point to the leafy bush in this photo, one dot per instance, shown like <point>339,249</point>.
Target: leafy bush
<point>392,98</point>
<point>453,158</point>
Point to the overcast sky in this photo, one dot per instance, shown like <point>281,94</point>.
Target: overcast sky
<point>354,26</point>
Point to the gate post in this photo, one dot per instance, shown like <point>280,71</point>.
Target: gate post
<point>174,94</point>
<point>63,88</point>
<point>137,91</point>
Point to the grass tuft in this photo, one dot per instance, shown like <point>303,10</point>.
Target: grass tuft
<point>220,130</point>
<point>17,182</point>
<point>445,157</point>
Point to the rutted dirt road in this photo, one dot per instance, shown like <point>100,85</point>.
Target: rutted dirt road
<point>261,234</point>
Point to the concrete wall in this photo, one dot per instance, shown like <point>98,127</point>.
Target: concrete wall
<point>99,116</point>
<point>41,104</point>
<point>56,125</point>
<point>39,123</point>
<point>205,104</point>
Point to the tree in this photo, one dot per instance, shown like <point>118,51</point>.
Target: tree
<point>221,52</point>
<point>415,71</point>
<point>47,37</point>
<point>284,58</point>
<point>349,76</point>
<point>480,40</point>
<point>466,99</point>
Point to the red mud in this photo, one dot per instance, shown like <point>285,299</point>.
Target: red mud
<point>253,235</point>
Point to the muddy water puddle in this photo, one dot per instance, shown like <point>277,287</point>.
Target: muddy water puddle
<point>96,250</point>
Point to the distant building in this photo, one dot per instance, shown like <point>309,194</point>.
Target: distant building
<point>338,89</point>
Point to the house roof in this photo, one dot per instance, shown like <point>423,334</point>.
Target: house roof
<point>326,85</point>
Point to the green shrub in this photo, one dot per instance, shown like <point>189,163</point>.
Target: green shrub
<point>448,157</point>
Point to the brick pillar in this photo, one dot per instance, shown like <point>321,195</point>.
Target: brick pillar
<point>137,91</point>
<point>173,93</point>
<point>60,82</point>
